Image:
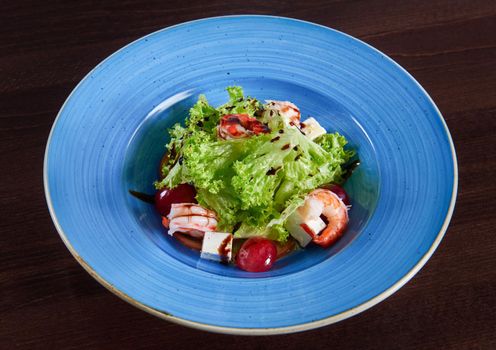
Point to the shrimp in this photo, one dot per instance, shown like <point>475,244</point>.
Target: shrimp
<point>165,222</point>
<point>189,209</point>
<point>288,111</point>
<point>193,225</point>
<point>335,213</point>
<point>236,126</point>
<point>191,219</point>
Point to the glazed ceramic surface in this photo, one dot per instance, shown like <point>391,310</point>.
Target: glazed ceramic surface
<point>109,137</point>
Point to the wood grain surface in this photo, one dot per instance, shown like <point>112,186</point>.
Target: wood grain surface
<point>47,301</point>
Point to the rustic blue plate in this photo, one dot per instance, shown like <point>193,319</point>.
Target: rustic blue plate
<point>109,136</point>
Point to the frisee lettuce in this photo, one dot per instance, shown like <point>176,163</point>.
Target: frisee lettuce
<point>238,104</point>
<point>253,184</point>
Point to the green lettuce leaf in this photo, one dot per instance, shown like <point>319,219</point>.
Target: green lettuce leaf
<point>201,123</point>
<point>225,204</point>
<point>238,104</point>
<point>335,144</point>
<point>203,117</point>
<point>209,163</point>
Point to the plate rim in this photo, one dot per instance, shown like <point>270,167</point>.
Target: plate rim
<point>272,330</point>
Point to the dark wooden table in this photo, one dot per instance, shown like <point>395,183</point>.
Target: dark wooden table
<point>48,301</point>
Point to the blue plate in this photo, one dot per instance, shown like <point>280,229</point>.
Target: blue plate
<point>110,134</point>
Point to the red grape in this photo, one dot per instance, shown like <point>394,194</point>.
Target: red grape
<point>339,191</point>
<point>257,254</point>
<point>164,198</point>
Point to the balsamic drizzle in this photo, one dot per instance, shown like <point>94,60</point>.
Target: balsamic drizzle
<point>349,168</point>
<point>147,198</point>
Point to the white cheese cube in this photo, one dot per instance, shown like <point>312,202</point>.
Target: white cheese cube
<point>312,208</point>
<point>303,229</point>
<point>314,225</point>
<point>312,128</point>
<point>217,246</point>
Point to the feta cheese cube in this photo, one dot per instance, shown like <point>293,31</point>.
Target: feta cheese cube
<point>217,246</point>
<point>314,226</point>
<point>302,228</point>
<point>312,208</point>
<point>312,128</point>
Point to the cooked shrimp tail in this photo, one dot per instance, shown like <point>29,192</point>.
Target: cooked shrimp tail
<point>335,212</point>
<point>236,126</point>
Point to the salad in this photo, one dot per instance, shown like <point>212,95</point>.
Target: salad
<point>248,182</point>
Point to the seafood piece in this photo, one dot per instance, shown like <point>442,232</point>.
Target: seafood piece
<point>287,110</point>
<point>236,126</point>
<point>321,219</point>
<point>305,223</point>
<point>165,222</point>
<point>194,225</point>
<point>187,209</point>
<point>335,213</point>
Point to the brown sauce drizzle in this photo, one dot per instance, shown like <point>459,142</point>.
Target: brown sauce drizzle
<point>349,169</point>
<point>273,171</point>
<point>147,198</point>
<point>224,250</point>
